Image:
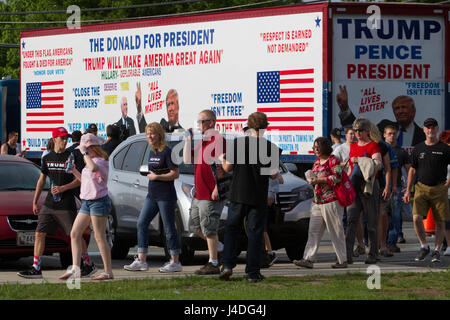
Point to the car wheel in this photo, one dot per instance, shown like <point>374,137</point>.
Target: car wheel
<point>187,253</point>
<point>119,248</point>
<point>65,258</point>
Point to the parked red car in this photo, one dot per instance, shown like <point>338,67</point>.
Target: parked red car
<point>18,178</point>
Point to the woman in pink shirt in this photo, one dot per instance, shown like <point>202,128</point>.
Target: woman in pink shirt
<point>95,205</point>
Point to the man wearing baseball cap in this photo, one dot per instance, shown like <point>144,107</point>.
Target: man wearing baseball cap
<point>92,128</point>
<point>248,194</point>
<point>59,209</point>
<point>429,163</point>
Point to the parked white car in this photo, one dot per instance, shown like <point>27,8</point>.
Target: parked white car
<point>288,226</point>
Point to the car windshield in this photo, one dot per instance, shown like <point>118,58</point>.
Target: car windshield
<point>18,176</point>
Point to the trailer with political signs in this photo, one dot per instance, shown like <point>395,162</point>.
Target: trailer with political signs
<point>289,62</point>
<point>9,108</point>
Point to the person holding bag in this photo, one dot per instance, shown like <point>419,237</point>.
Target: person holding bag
<point>326,211</point>
<point>365,162</point>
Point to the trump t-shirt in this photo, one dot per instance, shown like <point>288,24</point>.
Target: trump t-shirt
<point>161,190</point>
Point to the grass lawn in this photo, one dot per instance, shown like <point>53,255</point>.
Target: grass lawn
<point>394,286</point>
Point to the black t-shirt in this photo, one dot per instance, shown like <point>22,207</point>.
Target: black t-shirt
<point>402,158</point>
<point>431,162</point>
<point>381,175</point>
<point>11,151</point>
<point>110,145</point>
<point>249,186</point>
<point>54,166</point>
<point>79,164</point>
<point>160,162</point>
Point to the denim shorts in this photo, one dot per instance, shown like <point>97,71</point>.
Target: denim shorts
<point>98,207</point>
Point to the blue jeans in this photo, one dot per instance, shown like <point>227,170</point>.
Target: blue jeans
<point>167,212</point>
<point>395,221</point>
<point>256,218</point>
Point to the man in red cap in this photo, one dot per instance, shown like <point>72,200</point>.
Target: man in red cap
<point>59,209</point>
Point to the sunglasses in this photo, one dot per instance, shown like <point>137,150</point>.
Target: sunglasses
<point>203,121</point>
<point>359,130</point>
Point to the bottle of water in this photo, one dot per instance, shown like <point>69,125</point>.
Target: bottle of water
<point>70,162</point>
<point>57,196</point>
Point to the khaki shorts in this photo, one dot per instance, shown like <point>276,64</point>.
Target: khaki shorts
<point>49,220</point>
<point>205,216</point>
<point>434,197</point>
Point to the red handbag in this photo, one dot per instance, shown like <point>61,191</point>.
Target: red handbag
<point>344,191</point>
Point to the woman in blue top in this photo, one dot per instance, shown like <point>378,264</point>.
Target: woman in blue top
<point>161,198</point>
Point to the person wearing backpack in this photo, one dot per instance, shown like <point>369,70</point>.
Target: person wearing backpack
<point>327,211</point>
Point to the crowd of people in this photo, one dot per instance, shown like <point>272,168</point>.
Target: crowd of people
<point>384,177</point>
<point>381,173</point>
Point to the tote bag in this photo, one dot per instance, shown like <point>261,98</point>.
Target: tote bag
<point>344,191</point>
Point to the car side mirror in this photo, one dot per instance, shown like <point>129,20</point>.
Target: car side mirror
<point>143,170</point>
<point>291,167</point>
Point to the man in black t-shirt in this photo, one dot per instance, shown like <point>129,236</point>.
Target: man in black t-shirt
<point>113,134</point>
<point>59,209</point>
<point>429,164</point>
<point>252,159</point>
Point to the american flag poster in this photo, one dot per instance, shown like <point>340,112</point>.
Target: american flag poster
<point>288,95</point>
<point>44,106</point>
<point>288,99</point>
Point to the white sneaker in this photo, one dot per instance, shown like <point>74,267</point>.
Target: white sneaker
<point>171,267</point>
<point>447,252</point>
<point>137,265</point>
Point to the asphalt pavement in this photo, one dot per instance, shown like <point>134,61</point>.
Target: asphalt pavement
<point>400,262</point>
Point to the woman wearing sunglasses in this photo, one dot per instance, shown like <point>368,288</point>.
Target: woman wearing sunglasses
<point>369,204</point>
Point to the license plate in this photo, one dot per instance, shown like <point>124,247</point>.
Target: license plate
<point>25,239</point>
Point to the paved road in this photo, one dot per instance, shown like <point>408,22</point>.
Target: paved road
<point>401,262</point>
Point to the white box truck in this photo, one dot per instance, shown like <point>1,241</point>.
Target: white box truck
<point>288,62</point>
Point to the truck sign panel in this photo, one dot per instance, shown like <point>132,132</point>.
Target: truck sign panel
<point>234,67</point>
<point>404,56</point>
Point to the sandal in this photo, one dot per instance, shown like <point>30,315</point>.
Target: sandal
<point>103,276</point>
<point>68,274</point>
